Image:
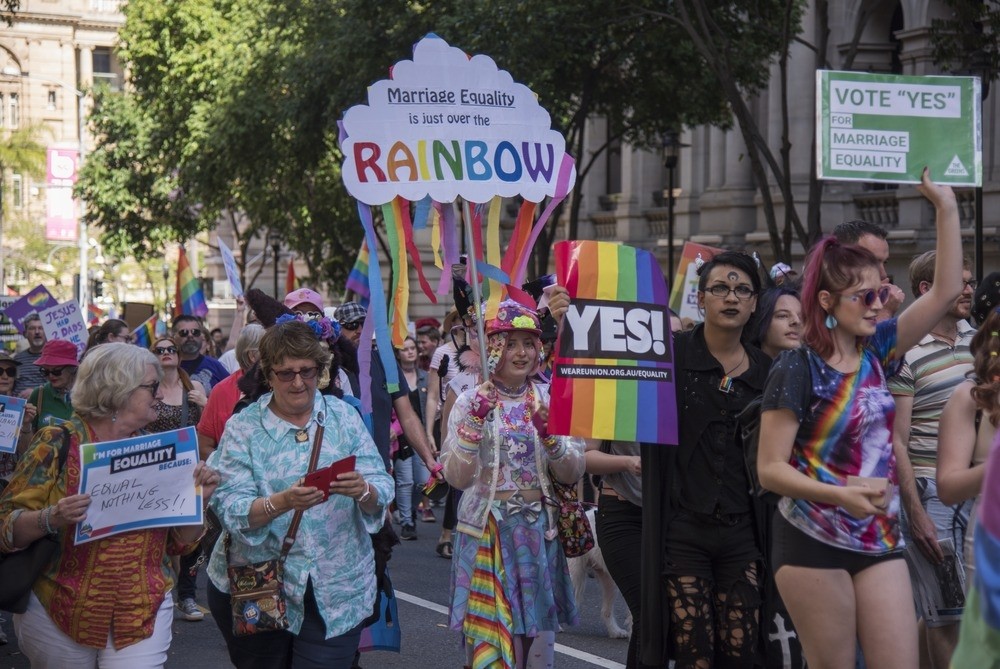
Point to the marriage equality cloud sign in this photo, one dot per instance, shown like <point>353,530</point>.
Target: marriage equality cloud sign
<point>613,376</point>
<point>883,127</point>
<point>139,483</point>
<point>449,125</point>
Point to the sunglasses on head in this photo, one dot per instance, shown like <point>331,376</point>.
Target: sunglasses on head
<point>309,315</point>
<point>165,350</point>
<point>189,333</point>
<point>9,371</point>
<point>352,326</point>
<point>868,296</point>
<point>55,371</point>
<point>288,374</point>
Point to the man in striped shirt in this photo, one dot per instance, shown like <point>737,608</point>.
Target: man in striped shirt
<point>931,371</point>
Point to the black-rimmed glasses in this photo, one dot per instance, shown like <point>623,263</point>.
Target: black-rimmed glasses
<point>165,350</point>
<point>151,387</point>
<point>189,333</point>
<point>55,371</point>
<point>722,291</point>
<point>9,372</point>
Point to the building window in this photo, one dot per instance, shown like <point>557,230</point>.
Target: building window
<point>17,191</point>
<point>14,117</point>
<point>51,101</point>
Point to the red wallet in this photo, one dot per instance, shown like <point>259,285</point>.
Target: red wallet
<point>322,478</point>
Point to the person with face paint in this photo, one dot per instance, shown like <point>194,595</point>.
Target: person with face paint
<point>698,527</point>
<point>506,556</point>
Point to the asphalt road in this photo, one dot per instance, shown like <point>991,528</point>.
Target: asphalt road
<point>421,581</point>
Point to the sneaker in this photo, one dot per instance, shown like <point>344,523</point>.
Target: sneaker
<point>409,533</point>
<point>427,516</point>
<point>189,610</point>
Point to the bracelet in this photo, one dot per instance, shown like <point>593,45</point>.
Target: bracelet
<point>40,519</point>
<point>368,493</point>
<point>48,515</point>
<point>269,509</point>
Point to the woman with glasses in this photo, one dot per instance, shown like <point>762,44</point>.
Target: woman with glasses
<point>695,497</point>
<point>105,602</point>
<point>263,455</point>
<point>109,332</point>
<point>58,364</point>
<point>181,403</point>
<point>826,448</point>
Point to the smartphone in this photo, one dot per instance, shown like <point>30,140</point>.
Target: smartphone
<point>322,478</point>
<point>879,483</point>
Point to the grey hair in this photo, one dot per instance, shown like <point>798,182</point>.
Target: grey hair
<point>108,376</point>
<point>249,340</point>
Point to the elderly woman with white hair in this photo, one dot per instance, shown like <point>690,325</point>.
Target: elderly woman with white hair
<point>105,602</point>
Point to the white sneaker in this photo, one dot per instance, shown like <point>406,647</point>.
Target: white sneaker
<point>189,610</point>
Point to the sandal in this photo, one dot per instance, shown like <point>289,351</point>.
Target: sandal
<point>444,549</point>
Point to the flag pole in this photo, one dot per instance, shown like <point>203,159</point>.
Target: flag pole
<point>476,298</point>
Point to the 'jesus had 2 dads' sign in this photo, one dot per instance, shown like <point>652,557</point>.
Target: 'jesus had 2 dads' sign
<point>139,483</point>
<point>613,376</point>
<point>64,321</point>
<point>880,127</point>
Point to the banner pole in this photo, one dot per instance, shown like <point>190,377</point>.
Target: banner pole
<point>474,280</point>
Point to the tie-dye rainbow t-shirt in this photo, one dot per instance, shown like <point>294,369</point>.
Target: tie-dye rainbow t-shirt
<point>845,429</point>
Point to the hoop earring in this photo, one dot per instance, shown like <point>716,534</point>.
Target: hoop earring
<point>830,322</point>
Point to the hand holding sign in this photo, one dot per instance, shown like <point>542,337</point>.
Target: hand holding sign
<point>69,511</point>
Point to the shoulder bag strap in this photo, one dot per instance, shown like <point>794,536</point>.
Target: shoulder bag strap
<point>185,410</point>
<point>64,449</point>
<point>293,529</point>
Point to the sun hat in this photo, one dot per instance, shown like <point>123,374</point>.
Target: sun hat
<point>58,353</point>
<point>986,297</point>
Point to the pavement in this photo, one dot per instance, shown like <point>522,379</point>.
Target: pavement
<point>421,581</point>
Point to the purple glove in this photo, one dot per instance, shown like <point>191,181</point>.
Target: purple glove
<point>540,419</point>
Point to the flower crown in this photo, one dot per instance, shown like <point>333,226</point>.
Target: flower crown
<point>324,328</point>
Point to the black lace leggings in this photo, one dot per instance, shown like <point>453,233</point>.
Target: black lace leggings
<point>714,593</point>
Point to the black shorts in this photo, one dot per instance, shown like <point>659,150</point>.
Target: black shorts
<point>794,548</point>
<point>714,550</point>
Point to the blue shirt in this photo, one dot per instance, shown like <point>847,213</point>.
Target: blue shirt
<point>258,456</point>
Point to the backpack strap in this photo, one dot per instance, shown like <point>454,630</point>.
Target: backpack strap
<point>64,448</point>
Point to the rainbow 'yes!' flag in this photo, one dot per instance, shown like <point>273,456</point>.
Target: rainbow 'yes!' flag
<point>613,376</point>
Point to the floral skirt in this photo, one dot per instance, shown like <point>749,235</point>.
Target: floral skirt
<point>537,580</point>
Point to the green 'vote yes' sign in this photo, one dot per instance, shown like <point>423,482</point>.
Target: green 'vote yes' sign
<point>883,127</point>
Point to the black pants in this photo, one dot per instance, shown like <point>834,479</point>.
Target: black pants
<point>619,535</point>
<point>309,649</point>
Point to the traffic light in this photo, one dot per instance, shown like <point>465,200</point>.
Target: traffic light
<point>97,288</point>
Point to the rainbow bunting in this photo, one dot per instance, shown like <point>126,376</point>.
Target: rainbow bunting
<point>144,334</point>
<point>613,373</point>
<point>189,300</point>
<point>357,280</point>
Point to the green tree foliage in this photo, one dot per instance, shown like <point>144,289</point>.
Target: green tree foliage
<point>234,103</point>
<point>967,41</point>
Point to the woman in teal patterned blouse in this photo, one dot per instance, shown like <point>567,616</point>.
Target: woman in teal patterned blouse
<point>262,456</point>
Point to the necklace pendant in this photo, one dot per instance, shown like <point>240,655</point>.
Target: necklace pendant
<point>302,436</point>
<point>726,385</point>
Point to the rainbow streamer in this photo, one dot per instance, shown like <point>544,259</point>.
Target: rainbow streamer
<point>392,214</point>
<point>493,256</point>
<point>357,280</point>
<point>489,618</point>
<point>375,323</point>
<point>190,300</point>
<point>146,332</point>
<point>592,405</point>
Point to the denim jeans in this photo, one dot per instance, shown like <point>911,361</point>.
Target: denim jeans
<point>411,475</point>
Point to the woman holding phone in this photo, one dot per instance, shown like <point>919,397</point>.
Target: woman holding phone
<point>827,419</point>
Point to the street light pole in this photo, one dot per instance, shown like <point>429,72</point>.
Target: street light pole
<point>10,71</point>
<point>275,239</point>
<point>671,154</point>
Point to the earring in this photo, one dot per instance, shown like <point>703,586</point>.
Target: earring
<point>830,322</point>
<point>114,417</point>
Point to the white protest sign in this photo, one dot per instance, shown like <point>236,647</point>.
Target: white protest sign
<point>65,321</point>
<point>232,271</point>
<point>11,416</point>
<point>139,483</point>
<point>447,125</point>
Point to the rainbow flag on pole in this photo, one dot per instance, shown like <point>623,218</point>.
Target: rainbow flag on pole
<point>357,280</point>
<point>190,300</point>
<point>613,376</point>
<point>143,335</point>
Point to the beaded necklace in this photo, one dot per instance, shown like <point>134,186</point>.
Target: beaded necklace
<point>521,424</point>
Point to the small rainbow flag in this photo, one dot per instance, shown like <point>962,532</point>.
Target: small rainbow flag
<point>144,334</point>
<point>357,280</point>
<point>190,300</point>
<point>94,314</point>
<point>613,376</point>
